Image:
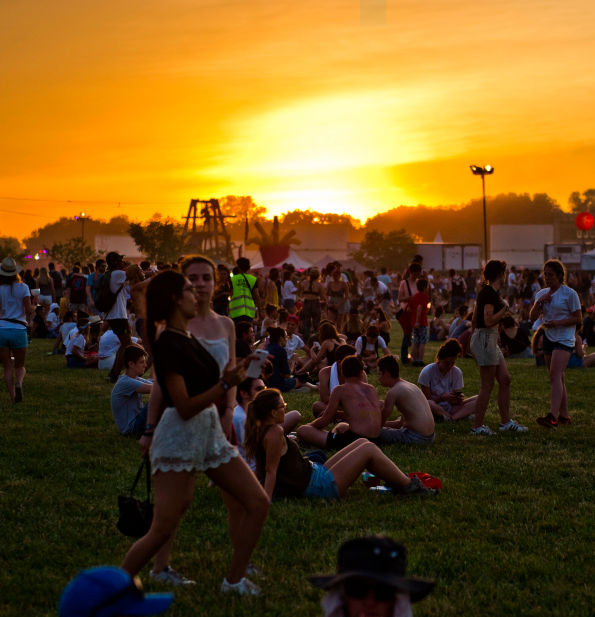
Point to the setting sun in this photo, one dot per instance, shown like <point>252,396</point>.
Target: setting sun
<point>134,108</point>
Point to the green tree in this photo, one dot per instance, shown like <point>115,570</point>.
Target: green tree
<point>319,218</point>
<point>159,239</point>
<point>584,202</point>
<point>11,247</point>
<point>393,250</point>
<point>72,251</point>
<point>241,206</point>
<point>67,227</point>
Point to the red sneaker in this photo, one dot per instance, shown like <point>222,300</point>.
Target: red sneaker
<point>564,421</point>
<point>548,421</point>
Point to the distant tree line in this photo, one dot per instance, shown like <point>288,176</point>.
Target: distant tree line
<point>160,238</point>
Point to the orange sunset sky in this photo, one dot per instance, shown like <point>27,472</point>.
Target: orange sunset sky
<point>339,106</point>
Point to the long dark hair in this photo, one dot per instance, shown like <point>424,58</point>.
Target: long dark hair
<point>259,409</point>
<point>163,291</point>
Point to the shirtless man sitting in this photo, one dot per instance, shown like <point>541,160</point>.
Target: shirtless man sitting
<point>362,411</point>
<point>416,423</point>
<point>330,377</point>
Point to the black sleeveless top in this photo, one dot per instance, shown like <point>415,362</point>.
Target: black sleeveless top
<point>174,352</point>
<point>293,472</point>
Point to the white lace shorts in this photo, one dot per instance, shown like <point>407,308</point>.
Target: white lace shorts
<point>190,445</point>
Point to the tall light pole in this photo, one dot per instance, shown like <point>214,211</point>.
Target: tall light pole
<point>81,217</point>
<point>487,170</point>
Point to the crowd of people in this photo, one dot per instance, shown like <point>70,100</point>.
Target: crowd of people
<point>215,405</point>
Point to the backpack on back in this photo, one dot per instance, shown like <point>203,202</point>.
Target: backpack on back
<point>105,298</point>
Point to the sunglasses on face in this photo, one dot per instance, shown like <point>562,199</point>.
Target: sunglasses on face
<point>358,589</point>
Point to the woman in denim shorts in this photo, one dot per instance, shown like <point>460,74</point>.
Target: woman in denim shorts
<point>559,308</point>
<point>489,310</point>
<point>15,309</point>
<point>285,472</point>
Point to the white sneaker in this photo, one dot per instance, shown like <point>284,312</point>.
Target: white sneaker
<point>514,427</point>
<point>244,587</point>
<point>170,576</point>
<point>482,430</point>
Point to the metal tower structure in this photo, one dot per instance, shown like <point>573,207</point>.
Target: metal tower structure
<point>209,237</point>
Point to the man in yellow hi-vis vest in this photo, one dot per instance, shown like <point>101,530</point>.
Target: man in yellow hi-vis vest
<point>245,299</point>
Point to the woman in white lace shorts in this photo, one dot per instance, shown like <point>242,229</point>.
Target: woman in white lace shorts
<point>189,437</point>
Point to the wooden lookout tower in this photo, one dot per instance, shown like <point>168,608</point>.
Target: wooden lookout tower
<point>205,232</point>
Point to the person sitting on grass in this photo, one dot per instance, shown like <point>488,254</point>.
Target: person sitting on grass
<point>285,472</point>
<point>107,591</point>
<point>128,410</point>
<point>76,344</point>
<point>39,328</point>
<point>281,377</point>
<point>52,320</point>
<point>246,391</point>
<point>442,384</point>
<point>370,581</point>
<point>64,332</point>
<point>438,327</point>
<point>367,347</point>
<point>416,423</point>
<point>354,402</point>
<point>330,377</point>
<point>294,343</point>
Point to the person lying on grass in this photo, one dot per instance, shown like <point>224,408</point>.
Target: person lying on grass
<point>285,472</point>
<point>358,405</point>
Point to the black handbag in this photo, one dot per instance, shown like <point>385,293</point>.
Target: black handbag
<point>136,515</point>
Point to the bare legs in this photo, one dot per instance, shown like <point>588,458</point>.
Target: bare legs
<point>348,463</point>
<point>488,375</point>
<point>14,372</point>
<point>250,511</point>
<point>556,364</point>
<point>248,503</point>
<point>173,494</point>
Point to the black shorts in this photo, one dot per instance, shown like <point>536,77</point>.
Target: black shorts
<point>337,441</point>
<point>121,327</point>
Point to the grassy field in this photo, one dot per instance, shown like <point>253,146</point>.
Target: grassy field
<point>511,534</point>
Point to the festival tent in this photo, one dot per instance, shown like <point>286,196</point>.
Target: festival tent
<point>298,262</point>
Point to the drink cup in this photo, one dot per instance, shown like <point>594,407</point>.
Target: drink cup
<point>256,364</point>
<point>35,292</point>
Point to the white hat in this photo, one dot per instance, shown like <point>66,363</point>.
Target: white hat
<point>9,267</point>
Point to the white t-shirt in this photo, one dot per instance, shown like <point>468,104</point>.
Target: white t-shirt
<point>126,402</point>
<point>239,420</point>
<point>431,377</point>
<point>288,290</point>
<point>53,320</point>
<point>75,340</point>
<point>11,300</point>
<point>118,311</point>
<point>109,344</point>
<point>294,342</point>
<point>369,346</point>
<point>564,302</point>
<point>66,329</point>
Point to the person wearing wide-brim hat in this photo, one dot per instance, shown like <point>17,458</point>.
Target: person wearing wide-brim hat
<point>15,310</point>
<point>370,581</point>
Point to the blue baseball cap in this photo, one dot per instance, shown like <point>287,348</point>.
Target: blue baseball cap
<point>107,591</point>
